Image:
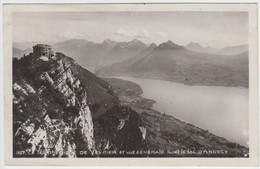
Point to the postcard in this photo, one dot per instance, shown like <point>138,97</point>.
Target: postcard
<point>131,84</point>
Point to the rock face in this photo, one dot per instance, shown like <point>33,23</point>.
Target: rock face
<point>129,128</point>
<point>61,110</point>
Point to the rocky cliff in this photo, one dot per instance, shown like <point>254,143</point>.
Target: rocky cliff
<point>63,110</point>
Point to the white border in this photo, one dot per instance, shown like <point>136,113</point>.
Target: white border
<point>69,1</point>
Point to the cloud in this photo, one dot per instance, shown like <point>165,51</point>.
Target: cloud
<point>124,33</point>
<point>161,34</point>
<point>143,34</point>
<point>127,33</point>
<point>71,35</point>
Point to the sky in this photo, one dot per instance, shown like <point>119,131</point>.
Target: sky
<point>215,29</point>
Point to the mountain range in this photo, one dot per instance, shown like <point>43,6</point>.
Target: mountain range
<point>191,64</point>
<point>229,50</point>
<point>89,54</point>
<point>173,62</point>
<point>98,55</point>
<point>61,109</point>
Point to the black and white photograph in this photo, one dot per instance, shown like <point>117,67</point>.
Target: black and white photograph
<point>130,84</point>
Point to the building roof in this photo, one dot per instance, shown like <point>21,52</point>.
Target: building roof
<point>42,45</point>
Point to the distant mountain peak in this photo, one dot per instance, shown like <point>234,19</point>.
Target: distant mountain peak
<point>77,41</point>
<point>196,47</point>
<point>108,41</point>
<point>135,41</point>
<point>131,44</point>
<point>173,44</point>
<point>153,45</point>
<point>169,45</point>
<point>193,44</point>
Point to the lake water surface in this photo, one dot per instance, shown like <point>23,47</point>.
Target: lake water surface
<point>220,110</point>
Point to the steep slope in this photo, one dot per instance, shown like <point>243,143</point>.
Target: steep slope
<point>172,62</point>
<point>129,129</point>
<point>59,110</point>
<point>125,66</point>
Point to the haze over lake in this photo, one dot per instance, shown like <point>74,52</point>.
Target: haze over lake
<point>220,110</point>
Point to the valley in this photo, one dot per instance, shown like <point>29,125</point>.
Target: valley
<point>166,132</point>
<point>221,110</point>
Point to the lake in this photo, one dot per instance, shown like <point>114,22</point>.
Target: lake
<point>221,110</point>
